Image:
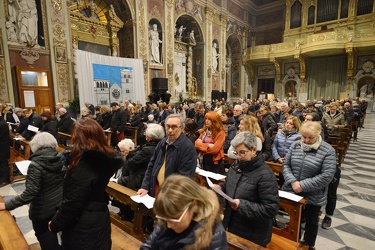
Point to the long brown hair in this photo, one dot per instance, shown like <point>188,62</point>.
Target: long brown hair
<point>217,124</point>
<point>87,134</point>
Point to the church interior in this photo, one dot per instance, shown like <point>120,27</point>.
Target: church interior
<point>200,50</point>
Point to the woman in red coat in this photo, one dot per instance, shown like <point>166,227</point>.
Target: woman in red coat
<point>210,143</point>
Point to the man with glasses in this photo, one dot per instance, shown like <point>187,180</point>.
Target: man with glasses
<point>173,154</point>
<point>237,112</point>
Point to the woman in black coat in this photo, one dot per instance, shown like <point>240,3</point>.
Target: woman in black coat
<point>50,124</point>
<point>83,216</point>
<point>252,185</point>
<point>43,188</point>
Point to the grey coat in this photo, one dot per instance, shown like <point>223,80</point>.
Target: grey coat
<point>43,185</point>
<point>313,169</point>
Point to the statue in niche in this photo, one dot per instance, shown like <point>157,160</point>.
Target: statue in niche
<point>362,91</point>
<point>370,89</point>
<point>192,37</point>
<point>24,15</point>
<point>92,7</point>
<point>180,31</point>
<point>154,44</point>
<point>215,57</point>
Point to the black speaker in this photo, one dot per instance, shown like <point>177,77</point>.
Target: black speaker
<point>215,94</point>
<point>159,85</point>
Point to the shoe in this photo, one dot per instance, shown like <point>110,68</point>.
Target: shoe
<point>327,221</point>
<point>4,184</point>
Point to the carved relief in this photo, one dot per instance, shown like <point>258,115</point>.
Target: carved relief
<point>3,82</point>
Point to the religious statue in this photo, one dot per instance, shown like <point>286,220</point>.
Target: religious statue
<point>370,89</point>
<point>362,91</point>
<point>180,30</point>
<point>11,29</point>
<point>24,15</point>
<point>215,57</point>
<point>92,6</point>
<point>154,44</point>
<point>192,37</point>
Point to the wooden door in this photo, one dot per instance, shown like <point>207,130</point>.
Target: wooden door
<point>35,89</point>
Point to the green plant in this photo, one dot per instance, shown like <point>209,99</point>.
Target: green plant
<point>74,105</point>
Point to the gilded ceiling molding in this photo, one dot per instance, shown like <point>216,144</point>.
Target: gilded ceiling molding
<point>277,68</point>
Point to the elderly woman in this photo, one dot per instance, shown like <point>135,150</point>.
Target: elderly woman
<point>43,188</point>
<point>308,168</point>
<point>252,185</point>
<point>105,117</point>
<point>188,217</point>
<point>50,124</point>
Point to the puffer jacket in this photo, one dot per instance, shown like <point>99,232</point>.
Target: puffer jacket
<point>83,216</point>
<point>282,142</point>
<point>254,184</point>
<point>43,185</point>
<point>313,169</point>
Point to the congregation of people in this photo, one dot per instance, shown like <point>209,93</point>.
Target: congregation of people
<point>172,141</point>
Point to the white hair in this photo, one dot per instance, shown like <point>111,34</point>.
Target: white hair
<point>42,140</point>
<point>126,144</point>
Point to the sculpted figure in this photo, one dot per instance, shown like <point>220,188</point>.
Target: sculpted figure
<point>215,57</point>
<point>154,44</point>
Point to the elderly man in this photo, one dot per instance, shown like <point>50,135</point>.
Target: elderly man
<point>34,120</point>
<point>58,106</point>
<point>173,154</point>
<point>237,112</point>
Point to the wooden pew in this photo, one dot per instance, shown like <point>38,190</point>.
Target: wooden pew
<point>11,237</point>
<point>131,133</point>
<point>19,151</point>
<point>122,240</point>
<point>134,230</point>
<point>67,137</point>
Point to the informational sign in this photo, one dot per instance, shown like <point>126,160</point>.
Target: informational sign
<point>29,98</point>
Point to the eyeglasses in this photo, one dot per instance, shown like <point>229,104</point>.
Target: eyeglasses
<point>241,153</point>
<point>173,127</point>
<point>174,220</point>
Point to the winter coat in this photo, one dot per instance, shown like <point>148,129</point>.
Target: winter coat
<point>313,169</point>
<point>135,166</point>
<point>337,119</point>
<point>4,140</point>
<point>105,120</point>
<point>268,124</point>
<point>230,133</point>
<point>181,158</point>
<point>118,121</point>
<point>254,184</point>
<point>163,239</point>
<point>282,143</point>
<point>36,121</point>
<point>65,124</point>
<point>267,148</point>
<point>83,216</point>
<point>50,126</point>
<point>43,185</point>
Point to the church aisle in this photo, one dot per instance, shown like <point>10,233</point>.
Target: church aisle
<point>353,224</point>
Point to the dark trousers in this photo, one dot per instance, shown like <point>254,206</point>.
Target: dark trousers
<point>4,172</point>
<point>332,192</point>
<point>47,239</point>
<point>311,213</point>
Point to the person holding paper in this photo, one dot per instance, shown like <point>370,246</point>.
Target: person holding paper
<point>173,154</point>
<point>210,143</point>
<point>308,168</point>
<point>35,121</point>
<point>253,187</point>
<point>43,188</point>
<point>188,217</point>
<point>83,217</point>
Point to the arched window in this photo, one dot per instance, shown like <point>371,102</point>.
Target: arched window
<point>295,15</point>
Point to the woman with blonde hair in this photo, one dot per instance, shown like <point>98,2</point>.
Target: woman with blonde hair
<point>210,143</point>
<point>188,217</point>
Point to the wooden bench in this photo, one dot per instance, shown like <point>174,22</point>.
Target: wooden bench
<point>67,137</point>
<point>135,229</point>
<point>131,133</point>
<point>122,240</point>
<point>19,151</point>
<point>11,237</point>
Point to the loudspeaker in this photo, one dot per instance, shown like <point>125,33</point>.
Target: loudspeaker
<point>215,94</point>
<point>159,85</point>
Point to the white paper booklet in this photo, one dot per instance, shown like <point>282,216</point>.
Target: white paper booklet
<point>290,196</point>
<point>218,190</point>
<point>23,166</point>
<point>147,200</point>
<point>33,128</point>
<point>212,175</point>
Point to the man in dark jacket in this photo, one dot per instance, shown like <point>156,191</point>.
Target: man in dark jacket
<point>4,150</point>
<point>118,123</point>
<point>174,154</point>
<point>65,124</point>
<point>34,120</point>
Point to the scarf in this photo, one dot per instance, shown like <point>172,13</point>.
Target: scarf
<point>308,147</point>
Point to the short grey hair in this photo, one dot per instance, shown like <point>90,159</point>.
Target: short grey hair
<point>182,121</point>
<point>155,131</point>
<point>42,140</point>
<point>246,138</point>
<point>63,110</point>
<point>126,144</point>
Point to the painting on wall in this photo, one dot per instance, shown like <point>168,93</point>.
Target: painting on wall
<point>266,70</point>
